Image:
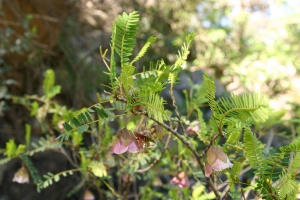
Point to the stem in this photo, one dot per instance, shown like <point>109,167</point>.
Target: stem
<point>111,189</point>
<point>176,109</point>
<point>103,58</point>
<point>191,148</point>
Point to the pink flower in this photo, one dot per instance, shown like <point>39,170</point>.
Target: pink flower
<point>88,195</point>
<point>126,142</point>
<point>216,160</point>
<point>193,128</point>
<point>21,176</point>
<point>181,180</point>
<point>60,125</point>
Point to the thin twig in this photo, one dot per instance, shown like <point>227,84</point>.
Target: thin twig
<point>176,110</point>
<point>224,193</point>
<point>63,151</point>
<point>246,194</point>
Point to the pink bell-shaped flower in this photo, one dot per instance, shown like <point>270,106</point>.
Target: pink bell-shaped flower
<point>126,142</point>
<point>193,128</point>
<point>88,195</point>
<point>21,176</point>
<point>181,180</point>
<point>216,160</point>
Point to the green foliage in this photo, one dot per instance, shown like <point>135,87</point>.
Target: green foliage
<point>234,134</point>
<point>293,146</point>
<point>198,97</point>
<point>81,123</point>
<point>76,189</point>
<point>203,133</point>
<point>98,169</point>
<point>12,150</point>
<point>274,118</point>
<point>32,170</point>
<point>287,186</point>
<point>236,110</point>
<point>4,160</point>
<point>138,162</point>
<point>142,52</point>
<point>244,108</point>
<point>234,175</point>
<point>27,134</point>
<point>50,178</point>
<point>49,89</point>
<point>210,89</point>
<point>8,37</point>
<point>123,39</point>
<point>295,163</point>
<point>153,103</point>
<point>42,145</point>
<point>181,59</point>
<point>254,153</point>
<point>126,79</point>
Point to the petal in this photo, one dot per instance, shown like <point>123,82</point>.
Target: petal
<point>192,129</point>
<point>21,176</point>
<point>133,147</point>
<point>125,136</point>
<point>88,195</point>
<point>118,148</point>
<point>229,163</point>
<point>174,181</point>
<point>211,155</point>
<point>181,180</point>
<point>219,165</point>
<point>221,155</point>
<point>184,182</point>
<point>181,175</point>
<point>208,169</point>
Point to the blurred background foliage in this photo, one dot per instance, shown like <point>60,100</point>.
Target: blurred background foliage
<point>248,45</point>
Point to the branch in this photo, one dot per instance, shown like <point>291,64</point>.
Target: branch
<point>176,109</point>
<point>191,148</point>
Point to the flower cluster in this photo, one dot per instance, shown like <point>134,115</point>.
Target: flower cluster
<point>216,160</point>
